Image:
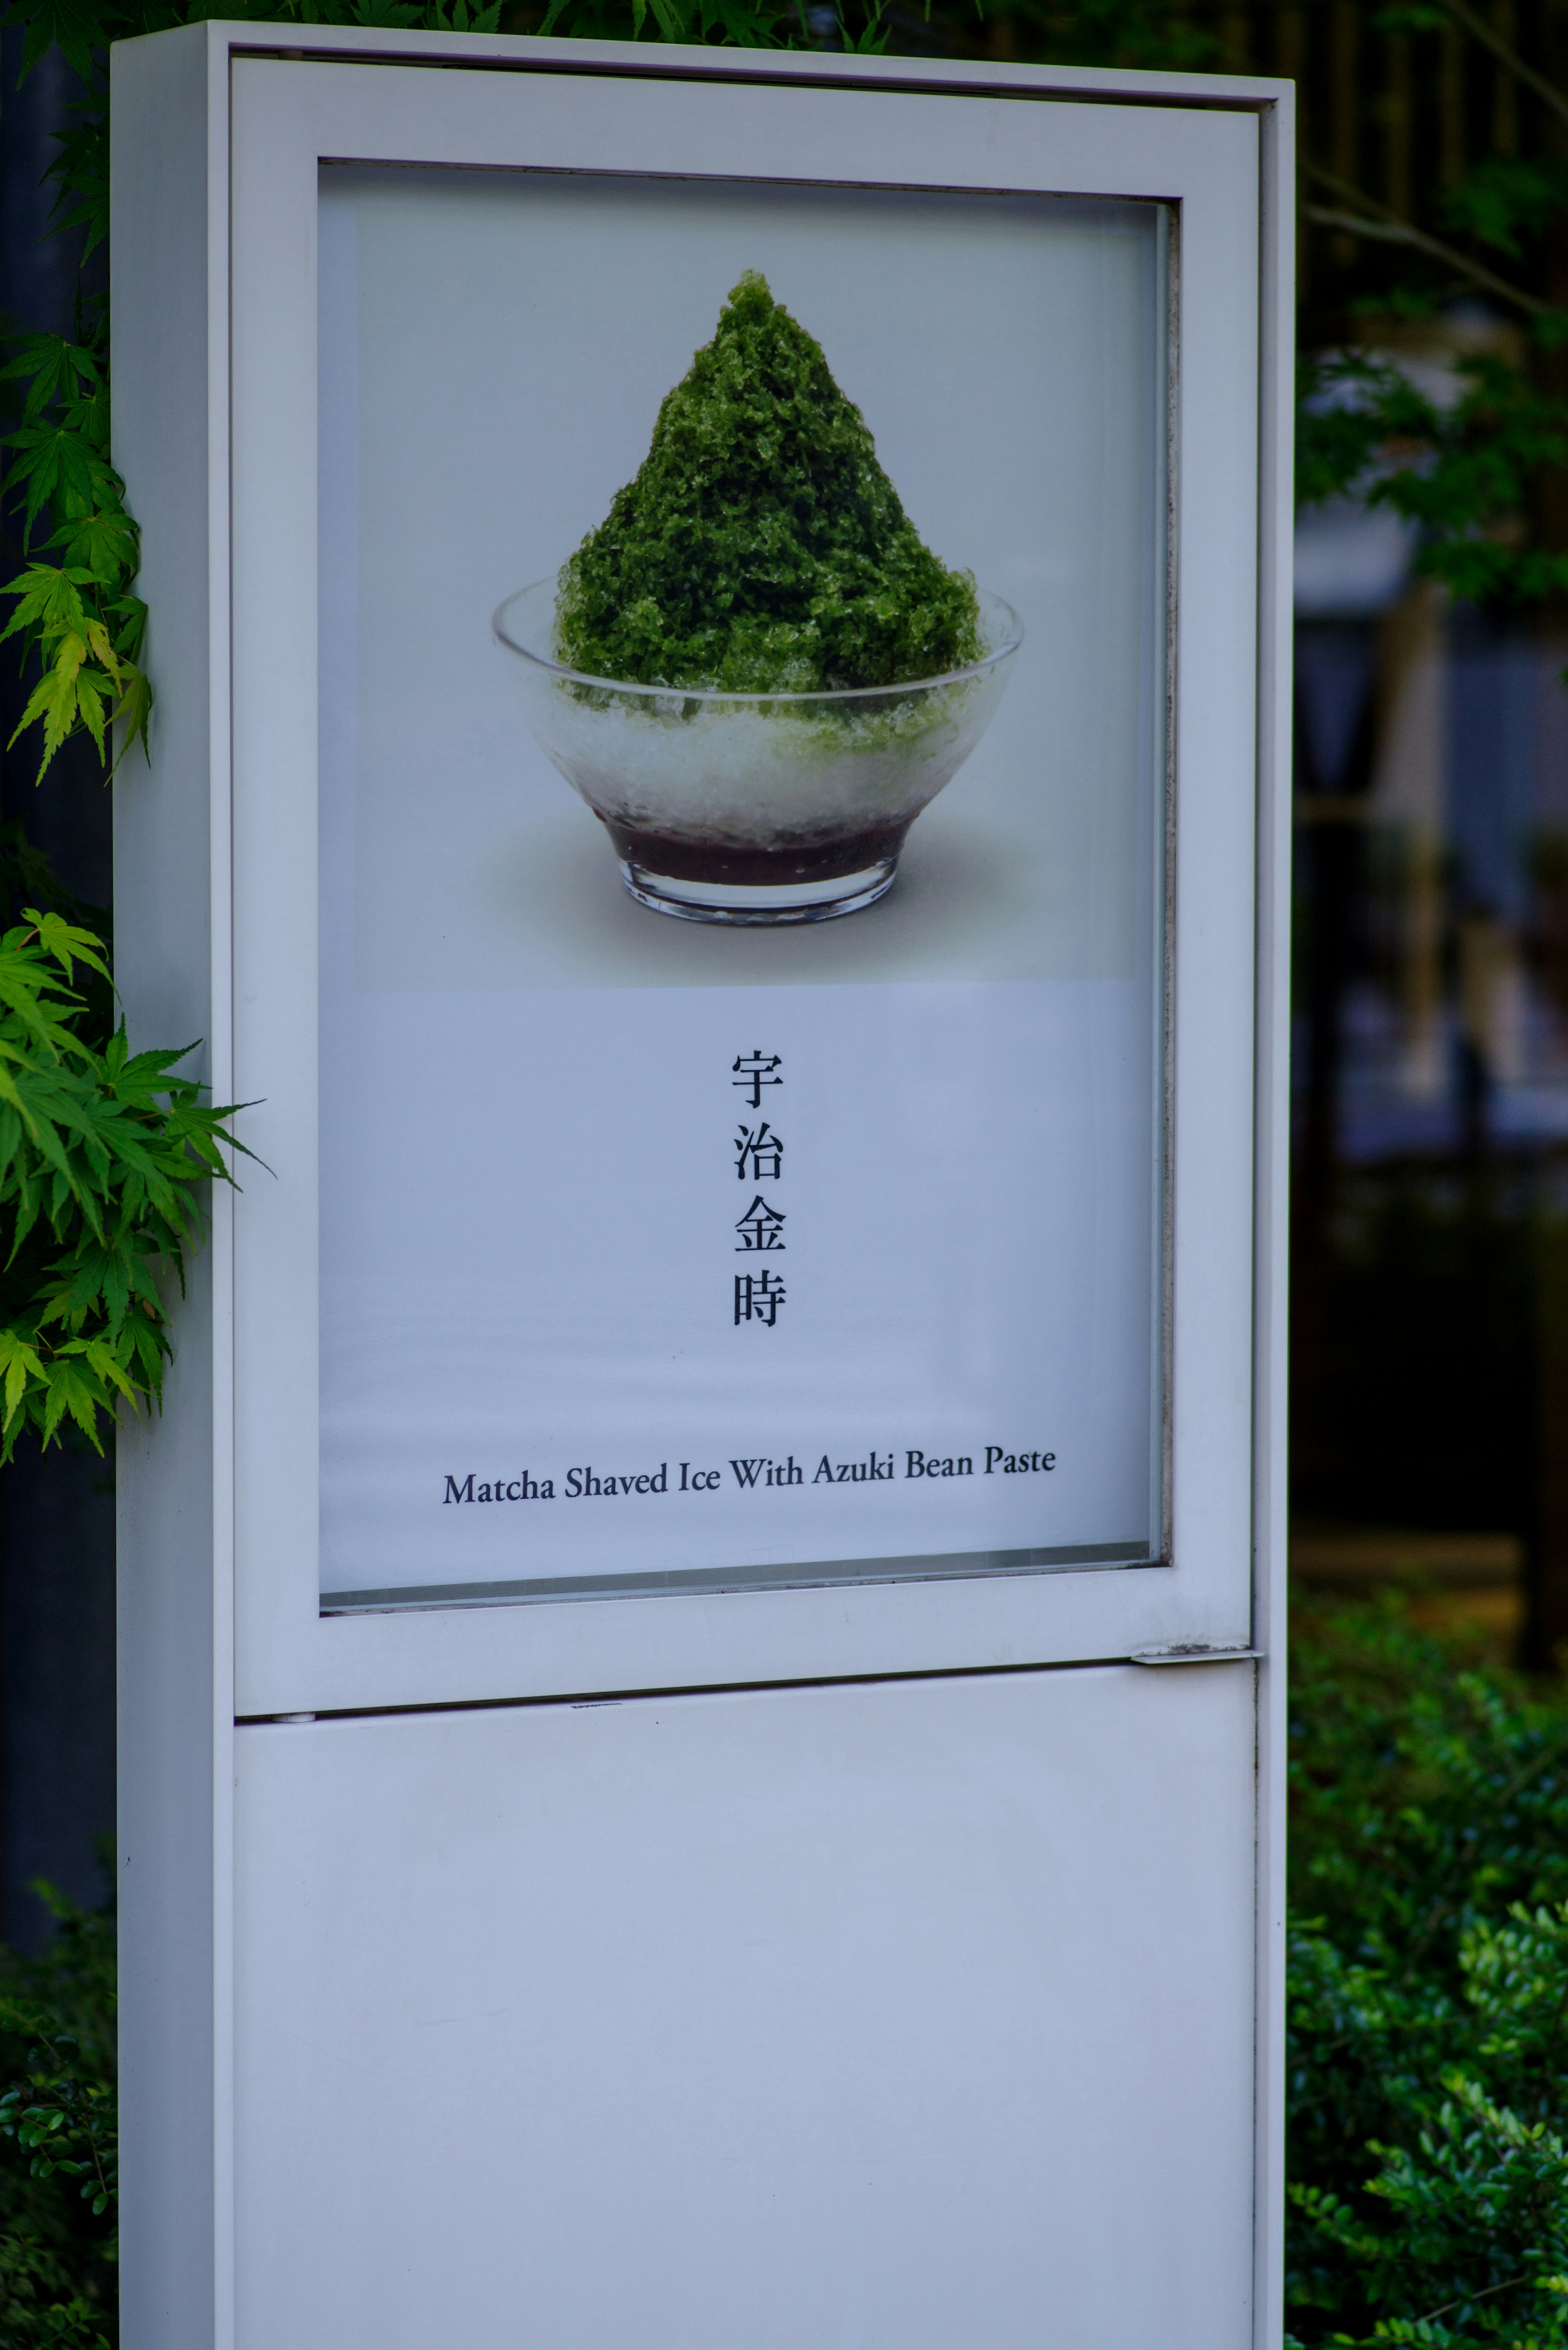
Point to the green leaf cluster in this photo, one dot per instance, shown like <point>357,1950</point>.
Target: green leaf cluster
<point>103,1155</point>
<point>59,2137</point>
<point>745,24</point>
<point>1506,201</point>
<point>761,547</point>
<point>1428,1997</point>
<point>1461,468</point>
<point>1480,474</point>
<point>76,614</point>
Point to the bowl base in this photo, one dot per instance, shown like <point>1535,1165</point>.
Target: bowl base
<point>753,905</point>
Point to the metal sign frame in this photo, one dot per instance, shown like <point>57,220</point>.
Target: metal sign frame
<point>219,130</point>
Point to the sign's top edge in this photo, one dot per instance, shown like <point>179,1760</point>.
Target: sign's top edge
<point>531,52</point>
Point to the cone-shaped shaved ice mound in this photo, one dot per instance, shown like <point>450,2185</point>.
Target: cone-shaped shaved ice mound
<point>761,548</point>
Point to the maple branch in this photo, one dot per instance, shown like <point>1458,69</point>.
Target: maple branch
<point>1480,30</point>
<point>1506,2286</point>
<point>1384,227</point>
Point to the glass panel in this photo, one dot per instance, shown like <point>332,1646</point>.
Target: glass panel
<point>752,1022</point>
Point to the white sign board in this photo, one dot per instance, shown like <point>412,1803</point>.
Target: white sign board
<point>718,802</point>
<point>787,1247</point>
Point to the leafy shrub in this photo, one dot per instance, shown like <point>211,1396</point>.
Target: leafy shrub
<point>102,1152</point>
<point>77,613</point>
<point>58,2169</point>
<point>1429,1996</point>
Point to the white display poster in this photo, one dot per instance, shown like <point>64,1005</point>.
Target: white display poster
<point>760,1063</point>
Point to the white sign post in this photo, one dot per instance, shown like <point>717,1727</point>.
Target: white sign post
<point>700,1707</point>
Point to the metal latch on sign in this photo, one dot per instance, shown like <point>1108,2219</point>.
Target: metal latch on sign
<point>1195,1653</point>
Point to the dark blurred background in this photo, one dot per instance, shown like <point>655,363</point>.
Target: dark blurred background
<point>56,1516</point>
<point>1430,1295</point>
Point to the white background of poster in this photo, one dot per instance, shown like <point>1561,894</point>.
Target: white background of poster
<point>545,1281</point>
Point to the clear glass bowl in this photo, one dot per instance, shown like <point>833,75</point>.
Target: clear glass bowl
<point>747,807</point>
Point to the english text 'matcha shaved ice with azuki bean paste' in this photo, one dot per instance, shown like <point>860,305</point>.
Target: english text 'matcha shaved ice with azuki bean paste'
<point>772,674</point>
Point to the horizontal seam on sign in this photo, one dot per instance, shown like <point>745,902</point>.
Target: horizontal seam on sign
<point>831,1575</point>
<point>751,80</point>
<point>695,1689</point>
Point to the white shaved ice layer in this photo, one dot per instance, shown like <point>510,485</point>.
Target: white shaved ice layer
<point>752,777</point>
<point>765,772</point>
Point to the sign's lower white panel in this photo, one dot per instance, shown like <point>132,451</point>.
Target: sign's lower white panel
<point>893,2017</point>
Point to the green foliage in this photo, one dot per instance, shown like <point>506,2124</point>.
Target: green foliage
<point>1506,201</point>
<point>1480,474</point>
<point>1148,33</point>
<point>761,547</point>
<point>102,1152</point>
<point>78,614</point>
<point>58,2138</point>
<point>1462,469</point>
<point>1428,1997</point>
<point>744,23</point>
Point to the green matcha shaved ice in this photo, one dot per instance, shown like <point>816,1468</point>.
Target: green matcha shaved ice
<point>761,548</point>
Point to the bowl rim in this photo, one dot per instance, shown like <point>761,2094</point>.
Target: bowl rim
<point>726,694</point>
